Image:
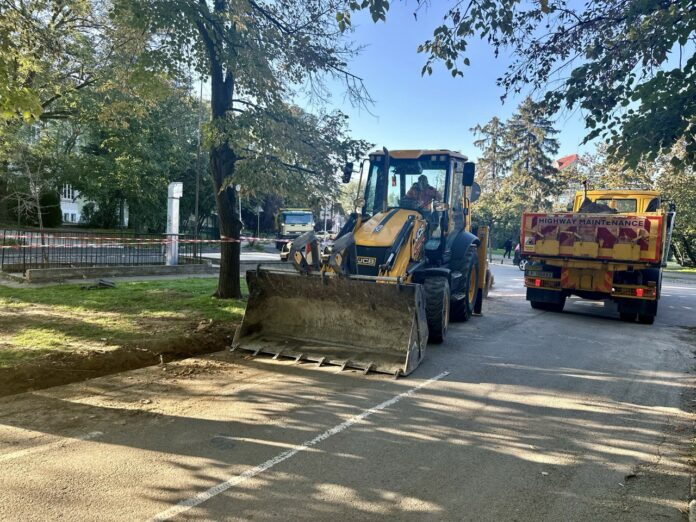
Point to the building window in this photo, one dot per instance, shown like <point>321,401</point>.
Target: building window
<point>73,218</point>
<point>68,192</point>
<point>65,217</point>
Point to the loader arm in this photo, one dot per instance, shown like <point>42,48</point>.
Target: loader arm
<point>401,239</point>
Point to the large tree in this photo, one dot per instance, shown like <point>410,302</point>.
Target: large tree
<point>531,149</point>
<point>515,169</point>
<point>49,52</point>
<point>492,163</point>
<point>630,66</point>
<point>254,52</point>
<point>130,147</point>
<point>52,57</point>
<point>678,186</point>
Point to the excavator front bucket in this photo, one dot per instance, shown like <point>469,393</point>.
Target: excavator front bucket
<point>350,322</point>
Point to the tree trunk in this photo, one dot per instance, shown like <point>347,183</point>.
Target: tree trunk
<point>222,162</point>
<point>229,281</point>
<point>677,252</point>
<point>688,250</point>
<point>222,157</point>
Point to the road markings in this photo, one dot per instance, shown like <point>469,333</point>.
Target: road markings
<point>45,447</point>
<point>204,496</point>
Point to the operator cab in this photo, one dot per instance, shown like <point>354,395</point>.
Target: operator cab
<point>438,184</point>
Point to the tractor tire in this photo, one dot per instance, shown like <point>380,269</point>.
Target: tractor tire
<point>464,307</point>
<point>437,307</point>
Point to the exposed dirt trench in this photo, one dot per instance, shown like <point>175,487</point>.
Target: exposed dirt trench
<point>59,368</point>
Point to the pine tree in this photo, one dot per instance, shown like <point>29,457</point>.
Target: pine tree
<point>531,148</point>
<point>492,164</point>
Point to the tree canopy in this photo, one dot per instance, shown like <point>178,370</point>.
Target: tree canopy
<point>516,168</point>
<point>49,52</point>
<point>630,67</point>
<point>106,87</point>
<point>530,150</point>
<point>493,161</point>
<point>257,54</point>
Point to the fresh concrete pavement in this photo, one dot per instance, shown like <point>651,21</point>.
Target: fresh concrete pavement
<point>520,415</point>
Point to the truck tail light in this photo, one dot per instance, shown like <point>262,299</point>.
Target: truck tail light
<point>639,292</point>
<point>537,282</point>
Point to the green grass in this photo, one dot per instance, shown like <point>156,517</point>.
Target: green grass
<point>35,321</point>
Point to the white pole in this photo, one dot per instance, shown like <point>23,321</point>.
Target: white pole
<point>173,195</point>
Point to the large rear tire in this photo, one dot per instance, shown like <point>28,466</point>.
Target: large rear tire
<point>646,319</point>
<point>464,307</point>
<point>437,307</point>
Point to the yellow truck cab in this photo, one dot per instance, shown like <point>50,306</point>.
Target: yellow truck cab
<point>612,245</point>
<point>623,201</point>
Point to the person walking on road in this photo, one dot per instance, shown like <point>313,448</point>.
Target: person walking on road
<point>508,249</point>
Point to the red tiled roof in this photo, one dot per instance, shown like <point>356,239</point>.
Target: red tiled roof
<point>565,161</point>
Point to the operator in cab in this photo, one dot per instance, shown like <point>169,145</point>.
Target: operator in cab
<point>423,193</point>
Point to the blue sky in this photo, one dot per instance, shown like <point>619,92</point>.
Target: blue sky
<point>414,111</point>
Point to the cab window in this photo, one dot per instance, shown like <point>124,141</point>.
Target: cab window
<point>621,205</point>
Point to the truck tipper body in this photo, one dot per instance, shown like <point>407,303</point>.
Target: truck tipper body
<point>612,245</point>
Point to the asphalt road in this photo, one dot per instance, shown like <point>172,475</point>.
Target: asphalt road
<point>520,415</point>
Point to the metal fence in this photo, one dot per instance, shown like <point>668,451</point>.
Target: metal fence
<point>22,249</point>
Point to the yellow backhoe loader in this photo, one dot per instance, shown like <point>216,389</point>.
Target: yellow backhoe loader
<point>398,272</point>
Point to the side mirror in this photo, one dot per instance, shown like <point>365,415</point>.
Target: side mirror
<point>347,172</point>
<point>469,172</point>
<point>475,192</point>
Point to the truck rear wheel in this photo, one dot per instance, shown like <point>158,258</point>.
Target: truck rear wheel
<point>646,319</point>
<point>437,307</point>
<point>463,307</point>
